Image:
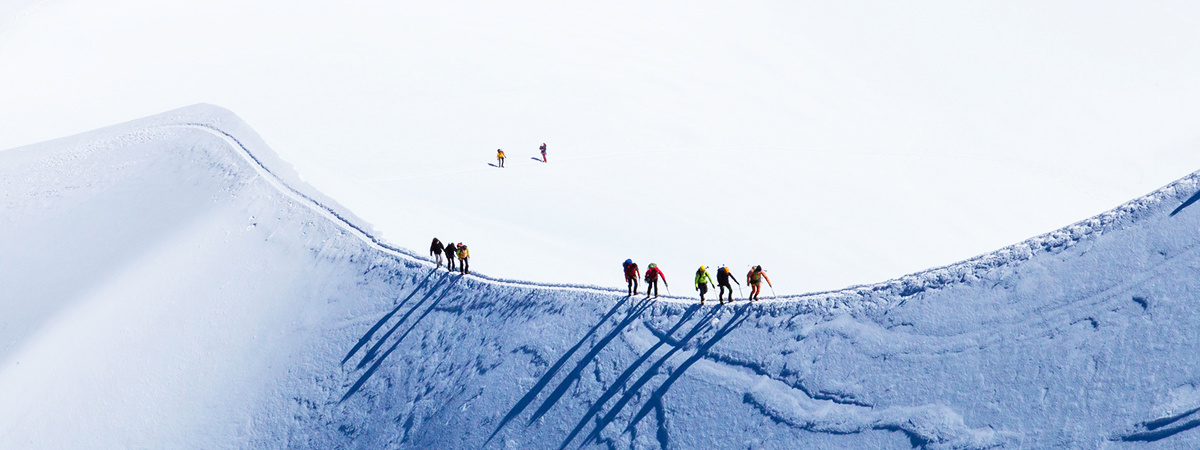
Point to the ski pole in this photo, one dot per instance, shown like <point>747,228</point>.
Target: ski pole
<point>739,289</point>
<point>668,289</point>
<point>772,290</point>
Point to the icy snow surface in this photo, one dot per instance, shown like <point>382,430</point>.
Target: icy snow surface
<point>170,283</point>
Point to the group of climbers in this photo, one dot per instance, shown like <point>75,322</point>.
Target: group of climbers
<point>653,274</point>
<point>452,251</point>
<point>500,156</point>
<point>754,279</point>
<point>703,280</point>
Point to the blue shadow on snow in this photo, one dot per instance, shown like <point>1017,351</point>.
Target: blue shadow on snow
<point>530,396</point>
<point>379,361</point>
<point>1186,204</point>
<point>367,337</point>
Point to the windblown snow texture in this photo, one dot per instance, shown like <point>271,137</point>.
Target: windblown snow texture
<point>168,283</point>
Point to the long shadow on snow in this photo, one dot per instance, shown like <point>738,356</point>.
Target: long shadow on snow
<point>657,396</point>
<point>703,324</point>
<point>587,359</point>
<point>1161,429</point>
<point>619,383</point>
<point>553,370</point>
<point>1186,204</point>
<point>367,337</point>
<point>370,355</point>
<point>367,375</point>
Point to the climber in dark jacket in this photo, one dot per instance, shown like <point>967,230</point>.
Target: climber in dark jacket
<point>449,252</point>
<point>723,279</point>
<point>435,250</point>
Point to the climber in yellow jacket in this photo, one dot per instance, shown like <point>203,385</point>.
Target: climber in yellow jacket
<point>464,256</point>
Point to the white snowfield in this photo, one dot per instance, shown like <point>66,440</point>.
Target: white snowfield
<point>170,283</point>
<point>834,143</point>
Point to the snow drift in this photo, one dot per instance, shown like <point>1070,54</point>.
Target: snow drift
<point>169,283</point>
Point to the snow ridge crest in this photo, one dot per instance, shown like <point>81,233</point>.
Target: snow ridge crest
<point>861,298</point>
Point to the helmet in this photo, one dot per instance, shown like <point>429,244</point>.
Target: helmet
<point>629,261</point>
<point>703,268</point>
<point>653,265</point>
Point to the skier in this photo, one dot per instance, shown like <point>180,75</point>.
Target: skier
<point>500,157</point>
<point>449,252</point>
<point>703,281</point>
<point>754,279</point>
<point>543,148</point>
<point>464,258</point>
<point>436,249</point>
<point>723,278</point>
<point>653,273</point>
<point>631,276</point>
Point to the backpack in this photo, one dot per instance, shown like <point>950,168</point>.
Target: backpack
<point>651,274</point>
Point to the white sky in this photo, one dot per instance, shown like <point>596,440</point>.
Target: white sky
<point>834,144</point>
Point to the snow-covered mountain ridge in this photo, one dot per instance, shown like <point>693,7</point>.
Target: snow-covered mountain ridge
<point>172,284</point>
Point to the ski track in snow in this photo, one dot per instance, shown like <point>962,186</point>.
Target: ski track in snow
<point>480,362</point>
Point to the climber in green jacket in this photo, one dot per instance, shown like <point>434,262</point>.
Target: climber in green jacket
<point>703,281</point>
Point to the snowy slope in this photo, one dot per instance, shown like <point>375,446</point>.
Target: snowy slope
<point>835,143</point>
<point>170,284</point>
